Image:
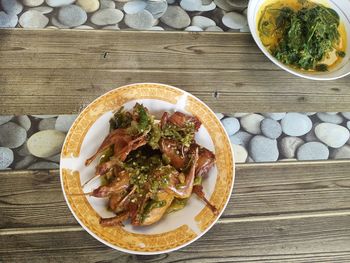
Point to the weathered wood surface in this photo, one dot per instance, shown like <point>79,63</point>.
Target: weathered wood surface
<point>286,211</point>
<point>61,71</point>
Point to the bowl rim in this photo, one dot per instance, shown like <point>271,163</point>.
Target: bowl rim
<point>125,250</point>
<point>251,16</point>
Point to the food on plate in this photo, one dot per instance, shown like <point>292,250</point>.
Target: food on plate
<point>302,34</point>
<point>150,168</point>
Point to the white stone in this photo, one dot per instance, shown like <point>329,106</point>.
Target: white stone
<point>47,124</point>
<point>289,146</point>
<point>223,4</point>
<point>58,3</point>
<point>6,157</point>
<point>239,114</point>
<point>251,123</point>
<point>238,4</point>
<point>156,28</point>
<point>263,149</point>
<point>4,119</point>
<point>111,27</point>
<point>33,19</point>
<point>271,128</point>
<point>193,29</point>
<point>156,7</point>
<point>32,3</point>
<point>341,153</point>
<point>202,22</point>
<point>12,135</point>
<point>219,115</point>
<point>191,5</point>
<point>176,17</point>
<point>234,20</point>
<point>214,29</point>
<point>57,24</point>
<point>296,124</point>
<point>346,115</point>
<point>312,151</point>
<point>210,7</point>
<point>64,122</point>
<point>84,27</point>
<point>245,29</point>
<point>141,20</point>
<point>46,143</point>
<point>240,154</point>
<point>134,7</point>
<point>241,138</point>
<point>332,135</point>
<point>72,15</point>
<point>107,17</point>
<point>11,6</point>
<point>107,4</point>
<point>43,9</point>
<point>331,118</point>
<point>8,20</point>
<point>231,125</point>
<point>24,122</point>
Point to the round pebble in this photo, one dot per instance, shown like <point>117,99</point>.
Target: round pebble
<point>223,4</point>
<point>241,138</point>
<point>64,122</point>
<point>107,4</point>
<point>12,6</point>
<point>134,7</point>
<point>25,162</point>
<point>312,151</point>
<point>296,124</point>
<point>4,119</point>
<point>331,118</point>
<point>240,154</point>
<point>6,157</point>
<point>56,158</point>
<point>47,124</point>
<point>234,20</point>
<point>251,123</point>
<point>43,165</point>
<point>156,28</point>
<point>214,29</point>
<point>58,3</point>
<point>207,2</point>
<point>240,114</point>
<point>57,24</point>
<point>191,5</point>
<point>111,27</point>
<point>32,3</point>
<point>33,19</point>
<point>238,3</point>
<point>231,125</point>
<point>309,113</point>
<point>156,7</point>
<point>12,135</point>
<point>271,128</point>
<point>24,122</point>
<point>346,115</point>
<point>44,116</point>
<point>289,146</point>
<point>219,115</point>
<point>263,149</point>
<point>341,153</point>
<point>210,7</point>
<point>193,29</point>
<point>84,27</point>
<point>176,17</point>
<point>72,15</point>
<point>8,21</point>
<point>89,5</point>
<point>43,9</point>
<point>23,150</point>
<point>332,135</point>
<point>45,143</point>
<point>107,17</point>
<point>202,22</point>
<point>140,20</point>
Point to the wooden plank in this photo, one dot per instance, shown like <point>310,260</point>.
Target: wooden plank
<point>325,239</point>
<point>283,190</point>
<point>62,71</point>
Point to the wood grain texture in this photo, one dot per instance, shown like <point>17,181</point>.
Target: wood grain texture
<point>62,71</point>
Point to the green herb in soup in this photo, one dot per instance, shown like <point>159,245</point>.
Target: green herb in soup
<point>302,34</point>
<point>150,168</point>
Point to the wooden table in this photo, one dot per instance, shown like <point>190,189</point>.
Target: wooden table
<point>295,212</point>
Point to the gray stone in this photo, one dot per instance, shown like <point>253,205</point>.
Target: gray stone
<point>250,160</point>
<point>8,21</point>
<point>43,165</point>
<point>331,118</point>
<point>251,123</point>
<point>207,2</point>
<point>23,150</point>
<point>24,122</point>
<point>241,138</point>
<point>25,162</point>
<point>32,3</point>
<point>6,157</point>
<point>12,6</point>
<point>171,1</point>
<point>238,4</point>
<point>156,28</point>
<point>57,24</point>
<point>276,115</point>
<point>289,146</point>
<point>245,29</point>
<point>223,4</point>
<point>46,143</point>
<point>107,16</point>
<point>202,22</point>
<point>33,19</point>
<point>176,17</point>
<point>348,125</point>
<point>346,115</point>
<point>107,4</point>
<point>271,128</point>
<point>156,7</point>
<point>341,153</point>
<point>240,154</point>
<point>12,135</point>
<point>193,29</point>
<point>263,149</point>
<point>191,5</point>
<point>56,158</point>
<point>111,27</point>
<point>332,135</point>
<point>231,125</point>
<point>296,124</point>
<point>140,20</point>
<point>312,151</point>
<point>58,3</point>
<point>214,29</point>
<point>234,20</point>
<point>4,119</point>
<point>219,115</point>
<point>210,7</point>
<point>47,124</point>
<point>308,113</point>
<point>72,15</point>
<point>43,9</point>
<point>133,7</point>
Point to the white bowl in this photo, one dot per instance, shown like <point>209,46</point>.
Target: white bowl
<point>342,7</point>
